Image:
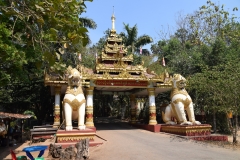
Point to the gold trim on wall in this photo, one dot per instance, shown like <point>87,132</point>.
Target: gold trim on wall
<point>74,138</point>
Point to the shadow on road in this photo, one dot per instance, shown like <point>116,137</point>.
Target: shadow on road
<point>111,123</point>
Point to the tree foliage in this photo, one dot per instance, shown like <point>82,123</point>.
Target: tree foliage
<point>205,50</point>
<point>50,27</point>
<point>210,22</point>
<point>35,35</point>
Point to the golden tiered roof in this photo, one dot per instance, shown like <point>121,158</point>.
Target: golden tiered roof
<point>114,71</point>
<point>115,58</point>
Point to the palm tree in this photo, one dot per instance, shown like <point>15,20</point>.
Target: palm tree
<point>88,23</point>
<point>130,39</point>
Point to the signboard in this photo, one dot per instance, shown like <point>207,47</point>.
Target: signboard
<point>121,83</point>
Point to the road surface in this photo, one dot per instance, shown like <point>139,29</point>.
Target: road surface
<point>123,142</point>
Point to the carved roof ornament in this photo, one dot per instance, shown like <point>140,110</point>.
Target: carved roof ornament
<point>106,75</point>
<point>143,76</point>
<point>124,74</point>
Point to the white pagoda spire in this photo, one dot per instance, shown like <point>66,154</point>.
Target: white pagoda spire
<point>113,20</point>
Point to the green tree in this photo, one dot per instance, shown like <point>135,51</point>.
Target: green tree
<point>11,58</point>
<point>184,59</point>
<point>216,86</point>
<point>50,27</point>
<point>205,49</point>
<point>36,35</point>
<point>209,23</point>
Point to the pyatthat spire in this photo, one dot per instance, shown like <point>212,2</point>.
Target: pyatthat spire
<point>113,20</point>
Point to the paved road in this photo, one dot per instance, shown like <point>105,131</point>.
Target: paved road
<point>124,142</point>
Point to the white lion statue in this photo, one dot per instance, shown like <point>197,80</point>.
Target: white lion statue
<point>74,101</point>
<point>180,101</point>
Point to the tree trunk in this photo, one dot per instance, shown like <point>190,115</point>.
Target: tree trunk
<point>214,121</point>
<point>235,129</point>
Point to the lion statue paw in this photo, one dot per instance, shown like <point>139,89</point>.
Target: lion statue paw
<point>69,128</point>
<point>82,127</point>
<point>196,123</point>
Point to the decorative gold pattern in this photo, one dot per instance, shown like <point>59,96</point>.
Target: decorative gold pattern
<point>178,91</point>
<point>106,75</point>
<point>114,63</point>
<point>151,91</point>
<point>71,90</point>
<point>57,110</point>
<point>89,116</point>
<point>120,64</point>
<point>90,90</point>
<point>187,129</point>
<point>58,90</point>
<point>124,74</point>
<point>75,104</point>
<point>143,76</point>
<point>114,39</point>
<point>185,102</point>
<point>152,112</point>
<point>74,138</point>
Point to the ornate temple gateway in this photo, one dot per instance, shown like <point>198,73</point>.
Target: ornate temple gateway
<point>113,74</point>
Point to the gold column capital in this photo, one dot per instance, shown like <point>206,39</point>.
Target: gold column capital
<point>90,90</point>
<point>151,91</point>
<point>57,89</point>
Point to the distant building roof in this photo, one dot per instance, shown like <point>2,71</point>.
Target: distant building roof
<point>14,115</point>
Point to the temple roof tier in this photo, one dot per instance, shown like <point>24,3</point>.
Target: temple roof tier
<point>115,57</point>
<point>114,39</point>
<point>118,67</point>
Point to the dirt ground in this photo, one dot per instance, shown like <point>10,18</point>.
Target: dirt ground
<point>5,151</point>
<point>18,147</point>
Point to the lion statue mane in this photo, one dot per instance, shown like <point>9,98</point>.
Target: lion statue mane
<point>74,101</point>
<point>180,102</point>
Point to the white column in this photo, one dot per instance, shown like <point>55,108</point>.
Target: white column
<point>138,109</point>
<point>89,108</point>
<point>152,106</point>
<point>57,107</point>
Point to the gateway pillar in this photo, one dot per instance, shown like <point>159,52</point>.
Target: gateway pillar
<point>152,106</point>
<point>133,108</point>
<point>89,108</point>
<point>56,123</point>
<point>139,108</point>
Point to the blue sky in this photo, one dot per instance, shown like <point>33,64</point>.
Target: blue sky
<point>151,16</point>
